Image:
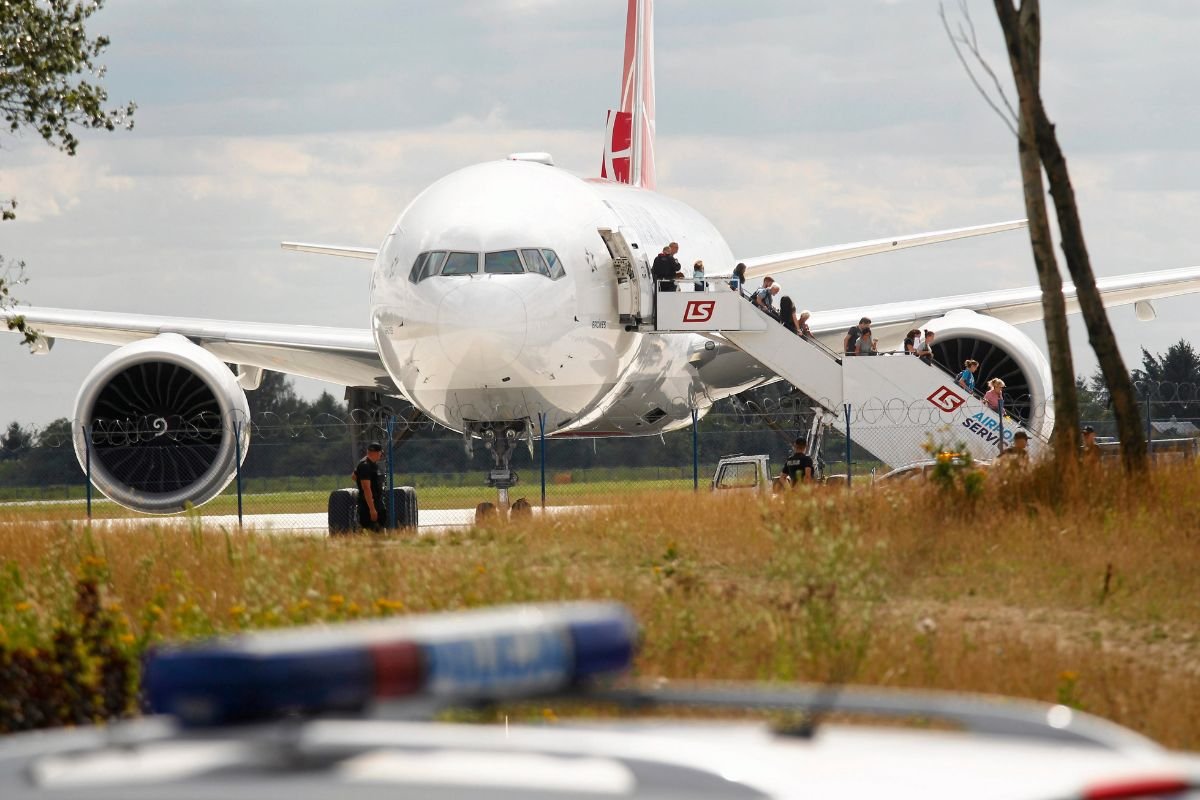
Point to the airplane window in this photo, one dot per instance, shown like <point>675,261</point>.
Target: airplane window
<point>434,265</point>
<point>505,262</point>
<point>426,264</point>
<point>461,264</point>
<point>535,263</point>
<point>556,267</point>
<point>418,267</point>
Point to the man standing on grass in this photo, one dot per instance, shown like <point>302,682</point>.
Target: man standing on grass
<point>799,467</point>
<point>370,489</point>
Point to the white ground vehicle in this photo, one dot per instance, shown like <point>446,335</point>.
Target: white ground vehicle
<point>252,718</point>
<point>743,472</point>
<point>921,470</point>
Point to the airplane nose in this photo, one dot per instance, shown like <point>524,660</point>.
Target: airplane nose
<point>482,326</point>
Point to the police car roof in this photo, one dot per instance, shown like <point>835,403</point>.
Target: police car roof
<point>285,688</point>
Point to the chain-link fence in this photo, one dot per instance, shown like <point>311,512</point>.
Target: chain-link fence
<point>290,465</point>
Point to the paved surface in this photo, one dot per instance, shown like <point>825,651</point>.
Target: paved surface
<point>430,521</point>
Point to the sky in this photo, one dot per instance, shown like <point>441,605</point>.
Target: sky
<point>789,124</point>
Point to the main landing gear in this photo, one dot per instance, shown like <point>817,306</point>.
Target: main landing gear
<point>500,439</point>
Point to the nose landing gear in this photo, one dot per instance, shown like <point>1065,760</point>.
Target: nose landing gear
<point>500,439</point>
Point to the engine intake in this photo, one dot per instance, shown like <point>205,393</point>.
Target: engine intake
<point>159,418</point>
<point>1002,352</point>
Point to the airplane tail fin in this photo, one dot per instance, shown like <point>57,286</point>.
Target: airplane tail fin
<point>629,133</point>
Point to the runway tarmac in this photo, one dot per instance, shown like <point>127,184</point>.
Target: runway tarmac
<point>430,521</point>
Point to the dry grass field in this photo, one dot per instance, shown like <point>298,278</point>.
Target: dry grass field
<point>1076,587</point>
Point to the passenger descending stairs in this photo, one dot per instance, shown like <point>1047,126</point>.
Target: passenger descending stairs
<point>896,404</point>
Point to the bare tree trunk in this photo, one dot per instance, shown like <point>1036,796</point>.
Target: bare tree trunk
<point>1054,311</point>
<point>1022,33</point>
<point>1100,333</point>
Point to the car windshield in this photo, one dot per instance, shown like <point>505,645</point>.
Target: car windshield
<point>736,476</point>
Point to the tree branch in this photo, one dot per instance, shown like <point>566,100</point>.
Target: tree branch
<point>971,43</point>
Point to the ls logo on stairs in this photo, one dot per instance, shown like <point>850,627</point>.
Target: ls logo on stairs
<point>699,310</point>
<point>945,399</point>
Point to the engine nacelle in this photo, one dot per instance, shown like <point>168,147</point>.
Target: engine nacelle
<point>162,414</point>
<point>1002,352</point>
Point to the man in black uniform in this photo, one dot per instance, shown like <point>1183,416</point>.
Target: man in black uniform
<point>666,265</point>
<point>799,467</point>
<point>370,489</point>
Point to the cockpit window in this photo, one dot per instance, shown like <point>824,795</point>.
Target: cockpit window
<point>539,260</point>
<point>434,265</point>
<point>535,263</point>
<point>461,264</point>
<point>556,267</point>
<point>427,264</point>
<point>418,268</point>
<point>505,262</point>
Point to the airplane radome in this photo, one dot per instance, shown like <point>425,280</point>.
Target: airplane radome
<point>512,294</point>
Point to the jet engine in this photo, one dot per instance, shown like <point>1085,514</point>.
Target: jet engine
<point>1002,352</point>
<point>161,423</point>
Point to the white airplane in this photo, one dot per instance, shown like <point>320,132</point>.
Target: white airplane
<point>494,309</point>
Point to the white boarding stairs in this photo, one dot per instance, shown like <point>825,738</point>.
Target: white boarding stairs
<point>896,404</point>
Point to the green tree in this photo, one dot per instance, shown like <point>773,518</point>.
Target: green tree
<point>49,83</point>
<point>13,274</point>
<point>15,442</point>
<point>1093,398</point>
<point>1171,378</point>
<point>1179,365</point>
<point>52,461</point>
<point>45,57</point>
<point>276,395</point>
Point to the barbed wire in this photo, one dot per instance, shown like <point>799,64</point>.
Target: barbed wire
<point>786,410</point>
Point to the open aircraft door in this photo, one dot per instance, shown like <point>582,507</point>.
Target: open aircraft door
<point>635,288</point>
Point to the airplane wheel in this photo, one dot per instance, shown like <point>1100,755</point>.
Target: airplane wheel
<point>521,509</point>
<point>485,512</point>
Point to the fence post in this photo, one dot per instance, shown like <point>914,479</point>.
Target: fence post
<point>391,484</point>
<point>542,440</point>
<point>849,471</point>
<point>1149,420</point>
<point>237,465</point>
<point>1000,408</point>
<point>87,468</point>
<point>695,450</point>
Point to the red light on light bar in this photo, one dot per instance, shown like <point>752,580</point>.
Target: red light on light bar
<point>398,669</point>
<point>1137,788</point>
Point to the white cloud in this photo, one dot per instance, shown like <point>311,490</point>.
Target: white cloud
<point>789,125</point>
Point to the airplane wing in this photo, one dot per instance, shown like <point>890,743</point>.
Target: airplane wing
<point>760,265</point>
<point>344,251</point>
<point>1011,305</point>
<point>345,356</point>
<point>802,259</point>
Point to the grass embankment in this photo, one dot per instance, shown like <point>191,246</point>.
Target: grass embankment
<point>317,502</point>
<point>311,495</point>
<point>1078,590</point>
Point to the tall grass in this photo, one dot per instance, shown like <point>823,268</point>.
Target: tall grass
<point>1060,585</point>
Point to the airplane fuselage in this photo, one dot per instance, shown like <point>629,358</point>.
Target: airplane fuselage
<point>494,298</point>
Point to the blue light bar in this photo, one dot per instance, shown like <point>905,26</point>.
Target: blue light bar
<point>503,653</point>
